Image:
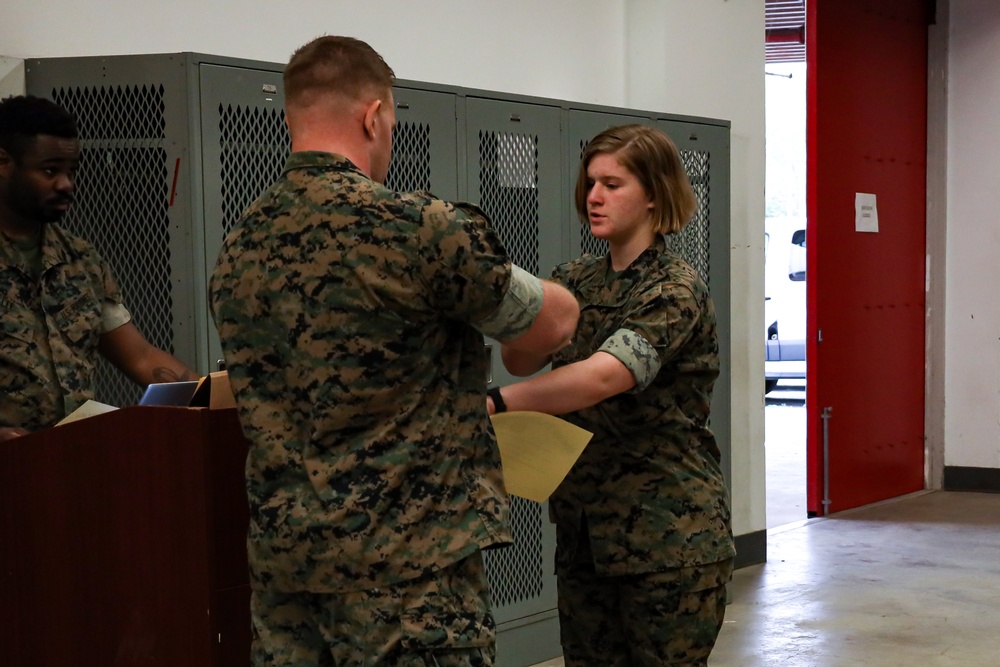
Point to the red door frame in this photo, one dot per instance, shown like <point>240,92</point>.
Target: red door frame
<point>866,133</point>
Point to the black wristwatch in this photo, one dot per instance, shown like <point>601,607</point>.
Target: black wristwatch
<point>498,404</point>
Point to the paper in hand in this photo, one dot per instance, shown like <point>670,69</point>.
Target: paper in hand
<point>537,450</point>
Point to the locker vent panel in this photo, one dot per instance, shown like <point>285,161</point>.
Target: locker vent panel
<point>589,244</point>
<point>122,207</point>
<point>410,168</point>
<point>254,146</point>
<point>508,182</point>
<point>693,242</point>
<point>515,572</point>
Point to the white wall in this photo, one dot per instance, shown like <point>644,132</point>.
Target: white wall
<point>706,58</point>
<point>972,347</point>
<point>702,58</point>
<point>565,49</point>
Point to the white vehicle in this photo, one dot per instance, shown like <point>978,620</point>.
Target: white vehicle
<point>784,300</point>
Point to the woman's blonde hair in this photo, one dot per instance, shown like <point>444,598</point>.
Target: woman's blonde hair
<point>652,157</point>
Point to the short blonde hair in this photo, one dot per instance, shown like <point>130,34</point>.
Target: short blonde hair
<point>654,160</point>
<point>333,64</point>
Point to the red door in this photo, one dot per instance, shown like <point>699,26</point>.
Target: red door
<point>866,126</point>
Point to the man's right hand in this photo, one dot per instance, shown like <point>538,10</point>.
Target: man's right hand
<point>11,432</point>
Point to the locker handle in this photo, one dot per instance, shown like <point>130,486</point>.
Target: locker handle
<point>515,118</point>
<point>402,105</point>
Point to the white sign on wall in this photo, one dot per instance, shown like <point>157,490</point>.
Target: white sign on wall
<point>865,212</point>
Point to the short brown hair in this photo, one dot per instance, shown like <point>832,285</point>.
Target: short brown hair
<point>653,158</point>
<point>344,65</point>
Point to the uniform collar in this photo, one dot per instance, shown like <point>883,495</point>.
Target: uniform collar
<point>56,245</point>
<point>321,159</point>
<point>657,248</point>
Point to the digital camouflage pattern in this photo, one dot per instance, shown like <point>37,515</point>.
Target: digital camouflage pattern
<point>440,619</point>
<point>50,326</point>
<point>660,618</point>
<point>346,316</point>
<point>649,482</point>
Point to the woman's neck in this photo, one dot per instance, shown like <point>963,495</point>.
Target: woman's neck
<point>623,254</point>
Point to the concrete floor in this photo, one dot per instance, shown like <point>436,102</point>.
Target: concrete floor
<point>913,581</point>
<point>910,582</point>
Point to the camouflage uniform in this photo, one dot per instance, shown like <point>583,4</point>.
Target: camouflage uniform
<point>56,301</point>
<point>644,511</point>
<point>351,319</point>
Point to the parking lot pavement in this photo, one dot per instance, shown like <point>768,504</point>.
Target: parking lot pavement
<point>788,392</point>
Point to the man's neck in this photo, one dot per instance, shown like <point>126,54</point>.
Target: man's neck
<point>16,226</point>
<point>357,156</point>
<point>312,130</point>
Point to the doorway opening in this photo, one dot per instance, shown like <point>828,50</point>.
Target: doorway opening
<point>785,293</point>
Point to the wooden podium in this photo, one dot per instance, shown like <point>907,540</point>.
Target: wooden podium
<point>123,542</point>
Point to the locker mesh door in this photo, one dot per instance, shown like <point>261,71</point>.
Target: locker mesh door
<point>589,244</point>
<point>253,145</point>
<point>410,167</point>
<point>515,573</point>
<point>693,243</point>
<point>508,184</point>
<point>122,207</point>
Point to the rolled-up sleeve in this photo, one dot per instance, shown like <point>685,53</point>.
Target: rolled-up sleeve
<point>518,309</point>
<point>659,324</point>
<point>637,355</point>
<point>113,315</point>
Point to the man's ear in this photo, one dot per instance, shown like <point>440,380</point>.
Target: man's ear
<point>6,162</point>
<point>371,116</point>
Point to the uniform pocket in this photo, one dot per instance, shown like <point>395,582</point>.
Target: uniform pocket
<point>16,326</point>
<point>451,613</point>
<point>79,321</point>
